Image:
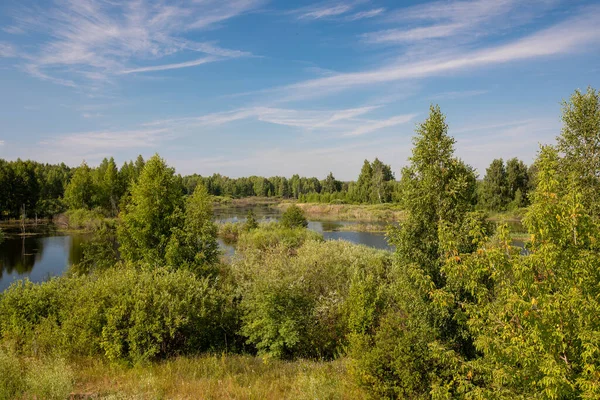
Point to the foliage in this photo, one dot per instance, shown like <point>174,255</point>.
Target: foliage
<point>194,245</point>
<point>305,304</point>
<point>272,234</point>
<point>123,313</point>
<point>580,144</point>
<point>82,219</point>
<point>293,217</point>
<point>152,213</point>
<point>101,252</point>
<point>251,222</point>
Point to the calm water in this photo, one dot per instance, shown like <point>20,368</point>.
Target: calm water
<point>47,253</point>
<point>38,256</point>
<point>44,253</point>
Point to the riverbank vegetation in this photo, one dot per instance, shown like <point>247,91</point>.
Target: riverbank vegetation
<point>456,312</point>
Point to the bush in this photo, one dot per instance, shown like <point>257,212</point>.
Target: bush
<point>272,235</point>
<point>126,313</point>
<point>89,220</point>
<point>304,305</point>
<point>294,217</point>
<point>230,232</point>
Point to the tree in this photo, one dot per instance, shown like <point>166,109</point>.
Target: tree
<point>362,190</point>
<point>409,350</point>
<point>331,185</point>
<point>580,144</point>
<point>194,245</point>
<point>294,217</point>
<point>251,222</point>
<point>517,182</point>
<point>495,192</point>
<point>382,175</point>
<point>81,190</point>
<point>154,210</point>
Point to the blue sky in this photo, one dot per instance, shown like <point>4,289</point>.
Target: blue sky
<point>245,87</point>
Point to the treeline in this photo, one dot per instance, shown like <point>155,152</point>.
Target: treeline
<point>32,189</point>
<point>457,312</point>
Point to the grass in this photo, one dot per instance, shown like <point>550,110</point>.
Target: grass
<point>216,377</point>
<point>349,212</point>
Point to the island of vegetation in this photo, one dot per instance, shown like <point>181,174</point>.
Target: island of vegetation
<point>455,312</point>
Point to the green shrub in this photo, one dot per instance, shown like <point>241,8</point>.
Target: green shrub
<point>84,219</point>
<point>230,232</point>
<point>273,234</point>
<point>298,305</point>
<point>294,217</point>
<point>124,313</point>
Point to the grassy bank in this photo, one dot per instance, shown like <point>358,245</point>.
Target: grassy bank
<point>202,377</point>
<point>349,212</point>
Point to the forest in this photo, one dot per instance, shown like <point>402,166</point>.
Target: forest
<point>456,311</point>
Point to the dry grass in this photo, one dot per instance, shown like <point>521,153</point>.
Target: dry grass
<point>216,377</point>
<point>350,212</point>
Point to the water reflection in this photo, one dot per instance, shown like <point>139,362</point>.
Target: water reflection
<point>37,256</point>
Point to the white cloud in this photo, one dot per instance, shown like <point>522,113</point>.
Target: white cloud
<point>412,35</point>
<point>371,126</point>
<point>1,142</point>
<point>97,39</point>
<point>571,36</point>
<point>164,67</point>
<point>7,50</point>
<point>366,14</point>
<point>457,94</point>
<point>327,11</point>
<point>91,142</point>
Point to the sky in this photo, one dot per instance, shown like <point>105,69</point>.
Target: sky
<point>259,87</point>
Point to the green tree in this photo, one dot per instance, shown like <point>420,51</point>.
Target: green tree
<point>381,188</point>
<point>517,182</point>
<point>294,217</point>
<point>580,144</point>
<point>494,189</point>
<point>363,187</point>
<point>152,213</point>
<point>409,351</point>
<point>194,245</point>
<point>251,222</point>
<point>331,185</point>
<point>81,190</point>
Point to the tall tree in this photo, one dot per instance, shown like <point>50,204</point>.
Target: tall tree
<point>81,189</point>
<point>517,182</point>
<point>331,185</point>
<point>363,188</point>
<point>580,143</point>
<point>381,189</point>
<point>153,211</point>
<point>194,245</point>
<point>494,189</point>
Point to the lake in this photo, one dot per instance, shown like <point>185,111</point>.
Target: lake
<point>45,252</point>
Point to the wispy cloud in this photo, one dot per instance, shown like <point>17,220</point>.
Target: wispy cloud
<point>1,142</point>
<point>7,51</point>
<point>324,12</point>
<point>411,35</point>
<point>366,14</point>
<point>457,94</point>
<point>458,20</point>
<point>97,39</point>
<point>164,67</point>
<point>110,140</point>
<point>371,126</point>
<point>570,36</point>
